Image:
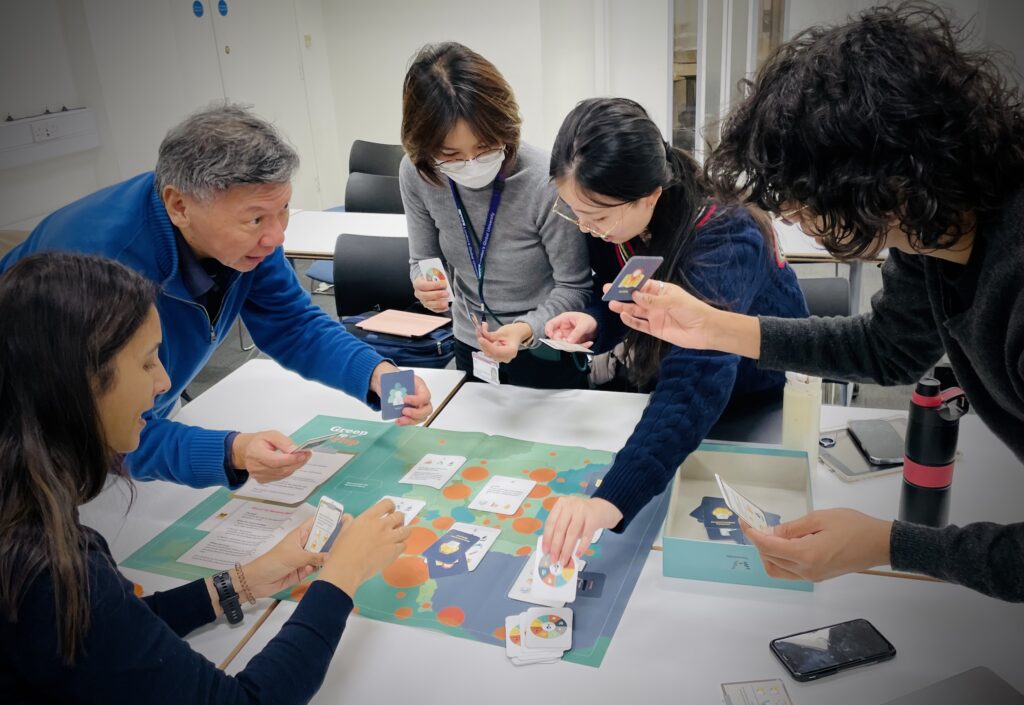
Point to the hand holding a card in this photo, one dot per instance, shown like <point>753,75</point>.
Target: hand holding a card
<point>576,519</point>
<point>670,313</point>
<point>267,455</point>
<point>572,327</point>
<point>502,345</point>
<point>284,565</point>
<point>366,545</point>
<point>822,545</point>
<point>432,294</point>
<point>417,403</point>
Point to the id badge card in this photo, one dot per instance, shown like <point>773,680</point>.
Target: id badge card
<point>485,368</point>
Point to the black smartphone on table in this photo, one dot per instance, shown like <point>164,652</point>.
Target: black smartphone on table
<point>878,440</point>
<point>822,652</point>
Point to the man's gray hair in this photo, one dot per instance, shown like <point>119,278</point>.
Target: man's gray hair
<point>223,146</point>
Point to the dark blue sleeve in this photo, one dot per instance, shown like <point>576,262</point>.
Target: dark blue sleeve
<point>184,609</point>
<point>727,265</point>
<point>132,653</point>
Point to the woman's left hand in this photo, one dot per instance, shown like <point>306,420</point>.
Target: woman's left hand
<point>503,344</point>
<point>284,565</point>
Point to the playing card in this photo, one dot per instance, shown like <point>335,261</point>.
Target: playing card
<point>433,271</point>
<point>534,654</point>
<point>768,692</point>
<point>409,507</point>
<point>487,535</point>
<point>502,494</point>
<point>447,555</point>
<point>522,588</point>
<point>394,388</point>
<point>433,470</point>
<point>633,275</point>
<point>551,580</point>
<point>548,628</point>
<point>326,525</point>
<point>566,346</point>
<point>749,511</point>
<point>312,443</point>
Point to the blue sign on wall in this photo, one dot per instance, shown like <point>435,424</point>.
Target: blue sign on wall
<point>222,8</point>
<point>197,8</point>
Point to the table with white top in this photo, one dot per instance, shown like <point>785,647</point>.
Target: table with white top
<point>311,234</point>
<point>679,639</point>
<point>260,395</point>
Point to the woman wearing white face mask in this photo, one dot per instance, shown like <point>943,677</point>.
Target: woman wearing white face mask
<point>480,200</point>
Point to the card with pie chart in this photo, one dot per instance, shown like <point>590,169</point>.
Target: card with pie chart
<point>548,628</point>
<point>553,581</point>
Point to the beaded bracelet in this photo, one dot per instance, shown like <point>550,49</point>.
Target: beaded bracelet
<point>244,583</point>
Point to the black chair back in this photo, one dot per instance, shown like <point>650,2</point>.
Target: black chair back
<point>369,193</point>
<point>371,272</point>
<point>375,158</point>
<point>827,296</point>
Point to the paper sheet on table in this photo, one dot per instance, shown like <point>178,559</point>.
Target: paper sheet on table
<point>300,484</point>
<point>250,531</point>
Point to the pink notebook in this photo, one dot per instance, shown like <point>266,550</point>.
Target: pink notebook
<point>409,325</point>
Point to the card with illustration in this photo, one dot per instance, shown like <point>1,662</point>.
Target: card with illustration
<point>633,275</point>
<point>552,580</point>
<point>433,271</point>
<point>487,535</point>
<point>548,628</point>
<point>394,387</point>
<point>522,588</point>
<point>502,494</point>
<point>447,555</point>
<point>409,507</point>
<point>326,525</point>
<point>433,470</point>
<point>747,510</point>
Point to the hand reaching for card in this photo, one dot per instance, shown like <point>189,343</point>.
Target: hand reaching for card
<point>366,545</point>
<point>503,344</point>
<point>822,545</point>
<point>267,455</point>
<point>418,406</point>
<point>575,519</point>
<point>572,327</point>
<point>432,294</point>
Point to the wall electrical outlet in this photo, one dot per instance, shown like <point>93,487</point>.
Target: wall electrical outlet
<point>43,130</point>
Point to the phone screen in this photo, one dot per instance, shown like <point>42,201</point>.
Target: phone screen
<point>812,654</point>
<point>878,440</point>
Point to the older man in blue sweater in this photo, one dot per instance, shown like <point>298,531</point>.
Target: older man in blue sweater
<point>207,226</point>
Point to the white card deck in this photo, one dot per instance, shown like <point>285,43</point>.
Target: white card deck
<point>547,628</point>
<point>747,510</point>
<point>553,581</point>
<point>502,494</point>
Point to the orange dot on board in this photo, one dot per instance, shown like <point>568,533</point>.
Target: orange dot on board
<point>524,551</point>
<point>527,525</point>
<point>543,475</point>
<point>474,473</point>
<point>406,572</point>
<point>403,612</point>
<point>399,595</point>
<point>499,633</point>
<point>549,503</point>
<point>442,523</point>
<point>419,538</point>
<point>456,491</point>
<point>539,491</point>
<point>451,616</point>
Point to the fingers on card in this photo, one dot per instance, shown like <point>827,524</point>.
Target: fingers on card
<point>747,510</point>
<point>408,507</point>
<point>633,275</point>
<point>394,387</point>
<point>433,271</point>
<point>326,525</point>
<point>552,580</point>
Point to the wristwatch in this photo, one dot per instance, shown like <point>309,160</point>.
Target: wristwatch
<point>228,597</point>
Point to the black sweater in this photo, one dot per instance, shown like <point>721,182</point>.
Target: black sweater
<point>975,314</point>
<point>134,651</point>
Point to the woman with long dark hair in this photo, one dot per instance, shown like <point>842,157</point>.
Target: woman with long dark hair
<point>479,199</point>
<point>621,183</point>
<point>79,366</point>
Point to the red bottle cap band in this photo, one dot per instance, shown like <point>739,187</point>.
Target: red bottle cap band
<point>933,476</point>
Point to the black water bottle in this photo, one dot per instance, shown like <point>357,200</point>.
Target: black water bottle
<point>932,431</point>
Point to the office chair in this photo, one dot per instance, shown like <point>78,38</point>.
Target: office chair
<point>829,296</point>
<point>374,158</point>
<point>370,193</point>
<point>371,272</point>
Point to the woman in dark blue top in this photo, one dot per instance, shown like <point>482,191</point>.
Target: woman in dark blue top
<point>619,181</point>
<point>79,337</point>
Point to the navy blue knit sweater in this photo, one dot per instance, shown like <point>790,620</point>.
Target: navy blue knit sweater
<point>731,264</point>
<point>134,651</point>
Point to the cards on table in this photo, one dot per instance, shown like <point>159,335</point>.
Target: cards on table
<point>326,525</point>
<point>433,470</point>
<point>326,459</point>
<point>566,346</point>
<point>522,588</point>
<point>502,494</point>
<point>447,555</point>
<point>538,635</point>
<point>767,692</point>
<point>409,507</point>
<point>394,387</point>
<point>433,271</point>
<point>633,275</point>
<point>487,535</point>
<point>747,510</point>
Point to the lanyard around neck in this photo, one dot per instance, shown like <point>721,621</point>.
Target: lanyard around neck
<point>476,257</point>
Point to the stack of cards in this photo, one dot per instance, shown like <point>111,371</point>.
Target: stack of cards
<point>544,583</point>
<point>722,523</point>
<point>459,550</point>
<point>538,635</point>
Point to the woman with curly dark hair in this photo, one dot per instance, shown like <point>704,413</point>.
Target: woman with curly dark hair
<point>885,133</point>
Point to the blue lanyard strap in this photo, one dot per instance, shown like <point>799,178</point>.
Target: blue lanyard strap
<point>476,258</point>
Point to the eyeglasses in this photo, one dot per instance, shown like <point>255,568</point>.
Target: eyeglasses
<point>788,219</point>
<point>578,223</point>
<point>488,157</point>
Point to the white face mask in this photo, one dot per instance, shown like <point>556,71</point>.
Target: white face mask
<point>473,174</point>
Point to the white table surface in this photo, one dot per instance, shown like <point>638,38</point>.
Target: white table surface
<point>259,395</point>
<point>311,234</point>
<point>679,639</point>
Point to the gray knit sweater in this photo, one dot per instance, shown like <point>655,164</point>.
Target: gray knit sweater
<point>975,314</point>
<point>537,264</point>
